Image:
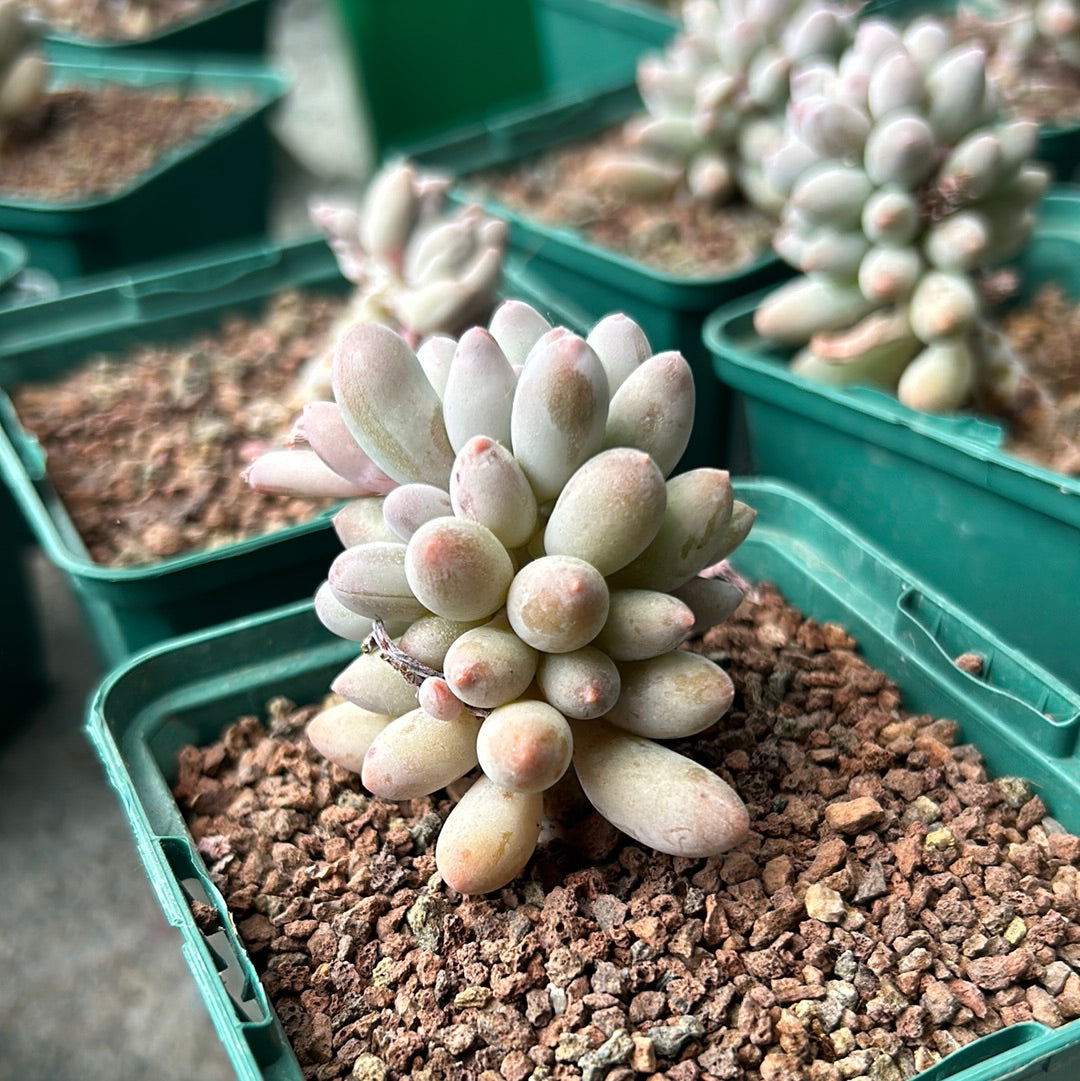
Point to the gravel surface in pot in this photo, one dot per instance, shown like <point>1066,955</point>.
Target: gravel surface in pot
<point>83,143</point>
<point>146,448</point>
<point>891,903</point>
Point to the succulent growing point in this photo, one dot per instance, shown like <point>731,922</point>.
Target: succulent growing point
<point>905,186</point>
<point>415,267</point>
<point>23,68</point>
<point>715,98</point>
<point>521,569</point>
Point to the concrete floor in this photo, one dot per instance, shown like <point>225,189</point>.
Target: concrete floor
<point>93,986</point>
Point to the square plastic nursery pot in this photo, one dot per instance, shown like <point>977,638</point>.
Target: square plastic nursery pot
<point>191,689</point>
<point>127,608</point>
<point>227,26</point>
<point>595,281</point>
<point>1000,536</point>
<point>209,191</point>
<point>424,67</point>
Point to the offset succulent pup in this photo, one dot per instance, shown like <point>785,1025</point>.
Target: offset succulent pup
<point>904,187</point>
<point>24,71</point>
<point>715,98</point>
<point>416,268</point>
<point>521,569</point>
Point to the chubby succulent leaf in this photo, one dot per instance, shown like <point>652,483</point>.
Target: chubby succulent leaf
<point>389,406</point>
<point>479,390</point>
<point>488,837</point>
<point>300,473</point>
<point>322,427</point>
<point>344,732</point>
<point>657,796</point>
<point>653,410</point>
<point>559,411</point>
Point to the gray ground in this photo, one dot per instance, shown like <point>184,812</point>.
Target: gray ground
<point>93,986</point>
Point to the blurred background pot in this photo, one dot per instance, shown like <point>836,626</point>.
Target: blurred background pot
<point>998,535</point>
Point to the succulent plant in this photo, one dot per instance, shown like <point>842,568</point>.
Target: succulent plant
<point>715,98</point>
<point>416,268</point>
<point>1031,27</point>
<point>23,68</point>
<point>522,569</point>
<point>905,186</point>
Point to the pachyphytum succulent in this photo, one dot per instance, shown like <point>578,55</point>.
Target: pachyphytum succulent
<point>23,68</point>
<point>1031,27</point>
<point>522,569</point>
<point>715,98</point>
<point>416,267</point>
<point>904,185</point>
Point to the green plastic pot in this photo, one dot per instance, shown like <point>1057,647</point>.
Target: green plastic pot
<point>190,690</point>
<point>231,26</point>
<point>423,67</point>
<point>998,535</point>
<point>596,44</point>
<point>213,190</point>
<point>21,662</point>
<point>127,608</point>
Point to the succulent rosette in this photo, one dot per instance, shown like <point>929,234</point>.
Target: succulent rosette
<point>415,266</point>
<point>521,568</point>
<point>905,187</point>
<point>714,99</point>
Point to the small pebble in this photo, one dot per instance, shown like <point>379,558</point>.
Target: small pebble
<point>854,816</point>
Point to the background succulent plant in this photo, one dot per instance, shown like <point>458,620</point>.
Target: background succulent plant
<point>416,267</point>
<point>522,569</point>
<point>23,67</point>
<point>715,98</point>
<point>1034,26</point>
<point>904,185</point>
